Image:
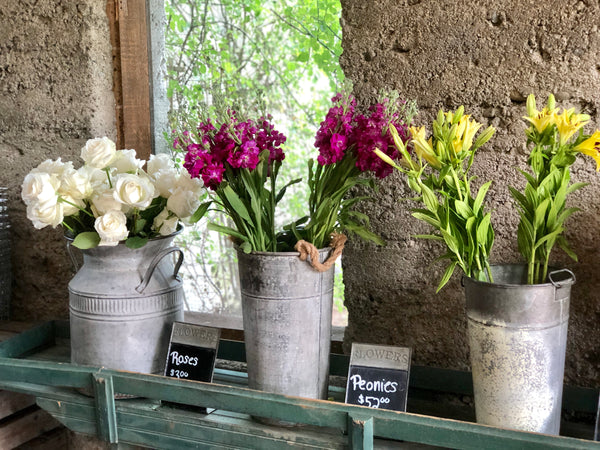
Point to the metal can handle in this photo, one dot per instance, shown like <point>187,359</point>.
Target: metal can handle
<point>159,256</point>
<point>558,284</point>
<point>72,256</point>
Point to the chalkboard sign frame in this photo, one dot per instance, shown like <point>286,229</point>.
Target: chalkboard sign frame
<point>189,348</point>
<point>378,370</point>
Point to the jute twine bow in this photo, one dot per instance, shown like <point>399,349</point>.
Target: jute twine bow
<point>307,249</point>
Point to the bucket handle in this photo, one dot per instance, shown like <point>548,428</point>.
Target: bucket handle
<point>159,256</point>
<point>558,284</point>
<point>74,262</point>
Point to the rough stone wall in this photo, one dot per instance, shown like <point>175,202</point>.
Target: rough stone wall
<point>487,56</point>
<point>55,93</point>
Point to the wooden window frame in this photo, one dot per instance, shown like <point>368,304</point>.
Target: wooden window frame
<point>131,75</point>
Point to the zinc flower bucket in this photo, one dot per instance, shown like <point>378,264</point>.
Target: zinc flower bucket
<point>122,303</point>
<point>286,307</point>
<point>517,337</point>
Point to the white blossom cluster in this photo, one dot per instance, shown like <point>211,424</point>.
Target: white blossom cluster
<point>112,186</point>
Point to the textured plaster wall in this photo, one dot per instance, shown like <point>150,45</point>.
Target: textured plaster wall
<point>488,56</point>
<point>55,93</point>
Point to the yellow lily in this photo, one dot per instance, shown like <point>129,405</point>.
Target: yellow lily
<point>469,128</point>
<point>568,123</point>
<point>542,119</point>
<point>423,147</point>
<point>591,147</point>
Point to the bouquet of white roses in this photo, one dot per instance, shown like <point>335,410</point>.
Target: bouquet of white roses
<point>110,198</point>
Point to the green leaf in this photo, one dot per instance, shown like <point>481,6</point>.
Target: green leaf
<point>88,239</point>
<point>540,214</point>
<point>281,192</point>
<point>451,242</point>
<point>200,212</point>
<point>575,186</point>
<point>426,217</point>
<point>429,199</point>
<point>480,197</point>
<point>236,204</point>
<point>447,275</point>
<point>482,230</point>
<point>365,234</point>
<point>565,215</point>
<point>562,243</point>
<point>463,209</point>
<point>519,198</point>
<point>226,230</point>
<point>136,242</point>
<point>548,238</point>
<point>431,237</point>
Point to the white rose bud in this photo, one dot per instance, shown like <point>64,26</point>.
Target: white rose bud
<point>183,202</point>
<point>44,214</point>
<point>99,152</point>
<point>97,177</point>
<point>162,161</point>
<point>39,187</point>
<point>126,161</point>
<point>165,223</point>
<point>112,228</point>
<point>133,190</point>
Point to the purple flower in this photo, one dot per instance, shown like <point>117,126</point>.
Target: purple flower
<point>212,175</point>
<point>245,157</point>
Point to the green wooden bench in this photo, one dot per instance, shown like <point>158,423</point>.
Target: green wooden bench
<point>37,362</point>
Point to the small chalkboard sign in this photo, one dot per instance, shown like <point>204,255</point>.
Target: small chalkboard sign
<point>378,376</point>
<point>192,352</point>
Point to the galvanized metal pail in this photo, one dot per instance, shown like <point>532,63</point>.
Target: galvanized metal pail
<point>518,337</point>
<point>122,303</point>
<point>286,307</point>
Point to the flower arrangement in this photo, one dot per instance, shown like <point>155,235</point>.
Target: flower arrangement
<point>110,198</point>
<point>347,142</point>
<point>440,177</point>
<point>239,161</point>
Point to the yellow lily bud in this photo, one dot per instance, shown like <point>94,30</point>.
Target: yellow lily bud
<point>385,158</point>
<point>551,104</point>
<point>531,106</point>
<point>484,137</point>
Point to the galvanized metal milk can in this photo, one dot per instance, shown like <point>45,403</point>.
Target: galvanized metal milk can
<point>122,304</point>
<point>286,307</point>
<point>518,339</point>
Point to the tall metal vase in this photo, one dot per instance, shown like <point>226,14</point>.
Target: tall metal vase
<point>122,303</point>
<point>286,307</point>
<point>518,337</point>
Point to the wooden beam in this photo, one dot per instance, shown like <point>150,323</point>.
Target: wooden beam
<point>129,35</point>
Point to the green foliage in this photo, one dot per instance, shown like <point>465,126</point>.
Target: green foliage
<point>87,239</point>
<point>542,203</point>
<point>440,177</point>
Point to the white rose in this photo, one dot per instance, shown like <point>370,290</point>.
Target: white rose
<point>99,152</point>
<point>39,187</point>
<point>46,213</point>
<point>97,177</point>
<point>183,203</point>
<point>112,228</point>
<point>165,223</point>
<point>185,181</point>
<point>165,181</point>
<point>126,161</point>
<point>56,167</point>
<point>162,161</point>
<point>133,190</point>
<point>71,205</point>
<point>103,200</point>
<point>76,184</point>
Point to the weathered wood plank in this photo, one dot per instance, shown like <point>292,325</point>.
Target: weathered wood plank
<point>12,402</point>
<point>56,439</point>
<point>135,81</point>
<point>23,428</point>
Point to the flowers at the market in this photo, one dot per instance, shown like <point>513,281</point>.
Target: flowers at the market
<point>110,198</point>
<point>238,159</point>
<point>348,143</point>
